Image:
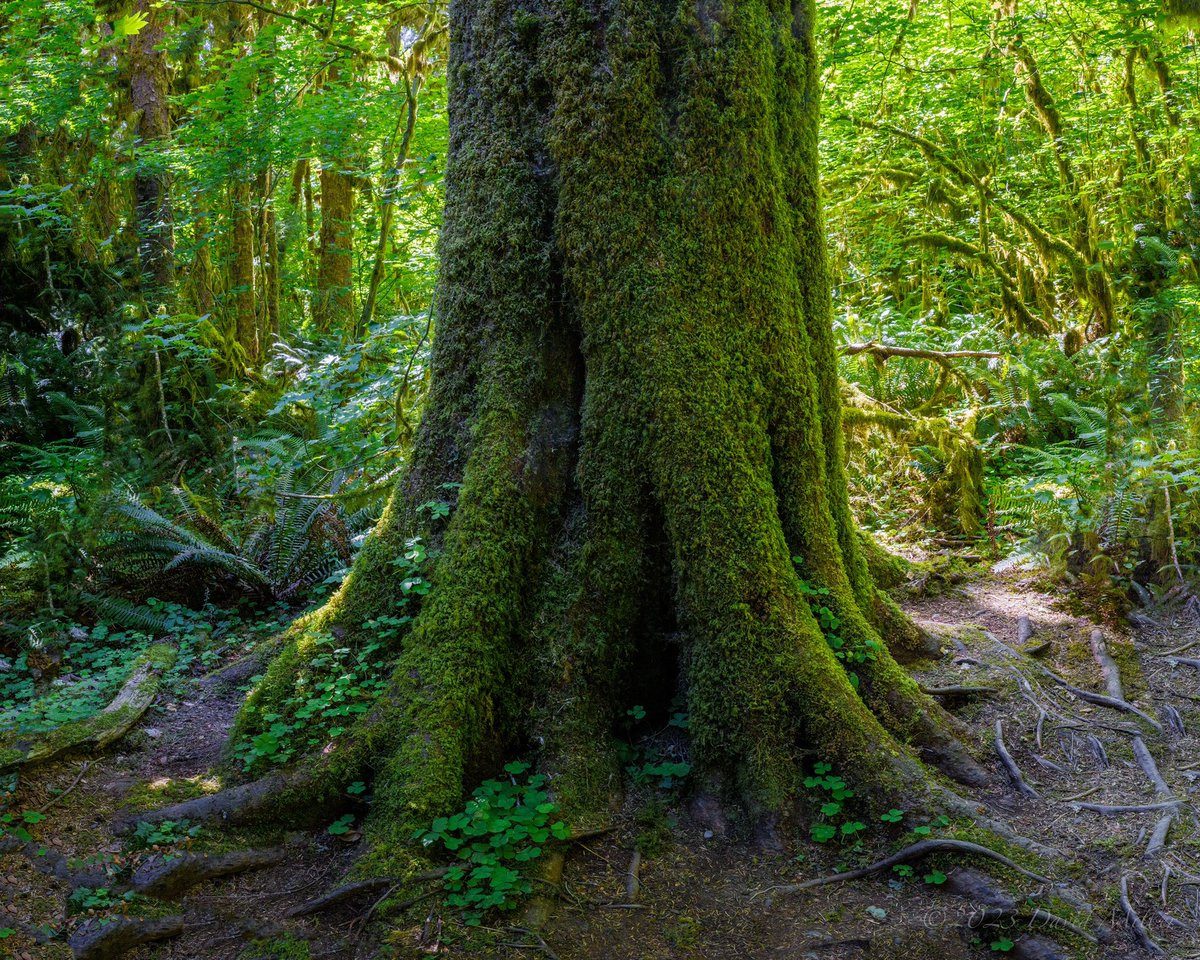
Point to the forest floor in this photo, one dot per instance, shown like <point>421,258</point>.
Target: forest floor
<point>698,895</point>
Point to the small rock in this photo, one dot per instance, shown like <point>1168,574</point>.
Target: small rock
<point>708,834</point>
<point>979,887</point>
<point>1038,948</point>
<point>152,732</point>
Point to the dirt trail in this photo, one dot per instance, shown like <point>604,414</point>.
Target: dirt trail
<point>708,896</point>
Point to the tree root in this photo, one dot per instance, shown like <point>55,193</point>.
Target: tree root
<point>1158,838</point>
<point>1037,915</point>
<point>916,851</point>
<point>1135,922</point>
<point>965,692</point>
<point>1098,699</point>
<point>357,889</point>
<point>305,793</point>
<point>97,941</point>
<point>101,729</point>
<point>168,879</point>
<point>1014,772</point>
<point>1127,807</point>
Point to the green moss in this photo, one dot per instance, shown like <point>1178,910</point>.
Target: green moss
<point>169,790</point>
<point>287,947</point>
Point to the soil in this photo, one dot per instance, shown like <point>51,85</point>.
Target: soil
<point>703,893</point>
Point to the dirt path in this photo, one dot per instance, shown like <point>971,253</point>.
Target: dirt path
<point>699,894</point>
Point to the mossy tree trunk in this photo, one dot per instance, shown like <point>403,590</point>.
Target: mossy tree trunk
<point>634,411</point>
<point>149,95</point>
<point>334,303</point>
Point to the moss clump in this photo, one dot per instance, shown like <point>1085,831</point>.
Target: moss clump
<point>279,948</point>
<point>169,790</point>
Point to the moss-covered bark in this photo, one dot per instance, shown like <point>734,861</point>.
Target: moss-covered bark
<point>635,384</point>
<point>149,96</point>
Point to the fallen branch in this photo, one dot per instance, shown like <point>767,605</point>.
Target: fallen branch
<point>916,851</point>
<point>937,356</point>
<point>100,729</point>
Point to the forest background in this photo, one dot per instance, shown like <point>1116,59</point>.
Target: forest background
<point>218,250</point>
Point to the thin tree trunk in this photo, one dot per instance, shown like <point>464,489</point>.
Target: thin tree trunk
<point>149,98</point>
<point>241,268</point>
<point>334,304</point>
<point>390,180</point>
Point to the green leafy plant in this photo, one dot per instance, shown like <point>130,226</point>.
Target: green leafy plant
<point>167,833</point>
<point>95,899</point>
<point>504,825</point>
<point>826,784</point>
<point>334,686</point>
<point>646,760</point>
<point>829,623</point>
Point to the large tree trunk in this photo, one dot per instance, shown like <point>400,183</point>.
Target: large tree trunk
<point>634,382</point>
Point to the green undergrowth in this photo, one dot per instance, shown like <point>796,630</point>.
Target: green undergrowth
<point>68,671</point>
<point>503,827</point>
<point>325,675</point>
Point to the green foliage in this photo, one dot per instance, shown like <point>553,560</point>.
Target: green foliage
<point>646,759</point>
<point>167,833</point>
<point>504,826</point>
<point>333,687</point>
<point>833,793</point>
<point>857,653</point>
<point>89,900</point>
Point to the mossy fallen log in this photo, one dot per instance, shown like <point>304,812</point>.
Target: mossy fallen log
<point>102,728</point>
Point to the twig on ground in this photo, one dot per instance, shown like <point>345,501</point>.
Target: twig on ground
<point>83,769</point>
<point>916,851</point>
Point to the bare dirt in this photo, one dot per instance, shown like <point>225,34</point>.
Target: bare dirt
<point>701,895</point>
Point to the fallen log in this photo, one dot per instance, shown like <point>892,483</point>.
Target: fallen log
<point>99,730</point>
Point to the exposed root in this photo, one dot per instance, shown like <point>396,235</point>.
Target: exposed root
<point>1035,916</point>
<point>916,851</point>
<point>98,731</point>
<point>1127,807</point>
<point>1158,839</point>
<point>303,795</point>
<point>97,940</point>
<point>1135,922</point>
<point>1149,767</point>
<point>359,888</point>
<point>168,879</point>
<point>1014,772</point>
<point>956,691</point>
<point>633,884</point>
